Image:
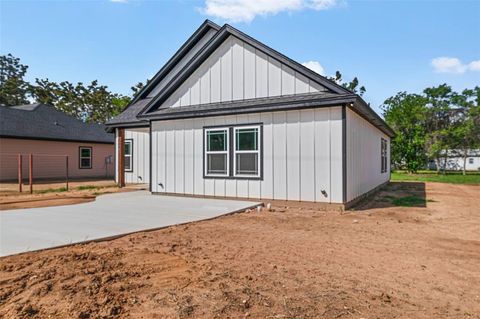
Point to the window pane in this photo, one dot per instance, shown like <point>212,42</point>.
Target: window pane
<point>128,148</point>
<point>247,139</point>
<point>247,164</point>
<point>85,162</point>
<point>84,152</point>
<point>217,140</point>
<point>128,162</point>
<point>217,164</point>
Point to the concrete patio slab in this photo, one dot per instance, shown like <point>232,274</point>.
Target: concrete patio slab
<point>23,230</point>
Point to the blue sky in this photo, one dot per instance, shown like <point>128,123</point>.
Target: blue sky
<point>390,45</point>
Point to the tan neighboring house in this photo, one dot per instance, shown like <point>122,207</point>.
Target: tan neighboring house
<point>51,136</point>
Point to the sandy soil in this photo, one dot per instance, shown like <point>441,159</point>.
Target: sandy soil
<point>16,200</point>
<point>379,261</point>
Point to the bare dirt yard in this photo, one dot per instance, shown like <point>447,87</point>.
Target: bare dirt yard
<point>418,260</point>
<point>55,193</point>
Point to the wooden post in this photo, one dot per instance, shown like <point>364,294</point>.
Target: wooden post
<point>66,170</point>
<point>121,157</point>
<point>30,172</point>
<point>20,173</point>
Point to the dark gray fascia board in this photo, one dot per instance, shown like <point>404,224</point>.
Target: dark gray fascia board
<point>54,139</point>
<point>229,109</point>
<point>214,43</point>
<point>360,107</point>
<point>191,41</point>
<point>111,127</point>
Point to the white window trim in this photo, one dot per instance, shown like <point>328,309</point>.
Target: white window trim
<point>85,157</point>
<point>258,151</point>
<point>130,141</point>
<point>207,152</point>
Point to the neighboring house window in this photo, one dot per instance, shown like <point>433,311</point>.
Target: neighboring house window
<point>128,156</point>
<point>85,157</point>
<point>217,162</point>
<point>247,151</point>
<point>383,155</point>
<point>233,152</point>
<point>470,160</point>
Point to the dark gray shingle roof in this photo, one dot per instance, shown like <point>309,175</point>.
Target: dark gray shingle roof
<point>272,104</point>
<point>129,115</point>
<point>38,121</point>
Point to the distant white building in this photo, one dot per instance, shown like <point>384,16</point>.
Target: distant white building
<point>455,161</point>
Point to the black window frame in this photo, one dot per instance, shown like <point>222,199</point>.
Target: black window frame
<point>80,148</point>
<point>130,140</point>
<point>231,152</point>
<point>383,155</point>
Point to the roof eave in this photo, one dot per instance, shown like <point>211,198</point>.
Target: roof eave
<point>218,110</point>
<point>371,116</point>
<point>191,41</point>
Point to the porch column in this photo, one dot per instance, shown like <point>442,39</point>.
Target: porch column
<point>121,157</point>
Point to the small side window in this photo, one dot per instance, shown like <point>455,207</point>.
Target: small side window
<point>383,155</point>
<point>85,157</point>
<point>470,160</point>
<point>128,156</point>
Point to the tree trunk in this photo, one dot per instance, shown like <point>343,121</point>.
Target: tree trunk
<point>465,153</point>
<point>445,159</point>
<point>437,164</point>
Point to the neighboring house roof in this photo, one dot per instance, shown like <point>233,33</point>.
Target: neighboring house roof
<point>38,121</point>
<point>147,106</point>
<point>460,153</point>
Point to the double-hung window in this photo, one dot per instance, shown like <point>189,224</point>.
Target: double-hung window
<point>246,161</point>
<point>233,152</point>
<point>128,155</point>
<point>85,157</point>
<point>217,163</point>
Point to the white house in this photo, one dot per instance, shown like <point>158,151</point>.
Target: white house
<point>228,116</point>
<point>455,160</point>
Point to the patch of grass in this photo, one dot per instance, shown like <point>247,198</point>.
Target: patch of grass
<point>51,190</point>
<point>454,177</point>
<point>409,201</point>
<point>86,187</point>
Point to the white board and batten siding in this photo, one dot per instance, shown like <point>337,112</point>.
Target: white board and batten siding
<point>237,71</point>
<point>364,171</point>
<point>302,156</point>
<point>140,173</point>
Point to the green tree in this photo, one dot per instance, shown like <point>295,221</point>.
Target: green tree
<point>440,124</point>
<point>406,115</point>
<point>138,87</point>
<point>13,88</point>
<point>466,128</point>
<point>352,85</point>
<point>90,103</point>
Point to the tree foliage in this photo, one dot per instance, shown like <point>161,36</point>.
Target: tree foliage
<point>407,114</point>
<point>352,85</point>
<point>434,125</point>
<point>13,88</point>
<point>89,102</point>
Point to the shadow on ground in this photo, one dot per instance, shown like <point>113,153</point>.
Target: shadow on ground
<point>395,194</point>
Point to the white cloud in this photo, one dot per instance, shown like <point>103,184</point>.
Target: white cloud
<point>454,65</point>
<point>315,66</point>
<point>474,66</point>
<point>247,10</point>
<point>119,1</point>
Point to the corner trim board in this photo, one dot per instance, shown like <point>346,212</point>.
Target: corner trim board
<point>344,153</point>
